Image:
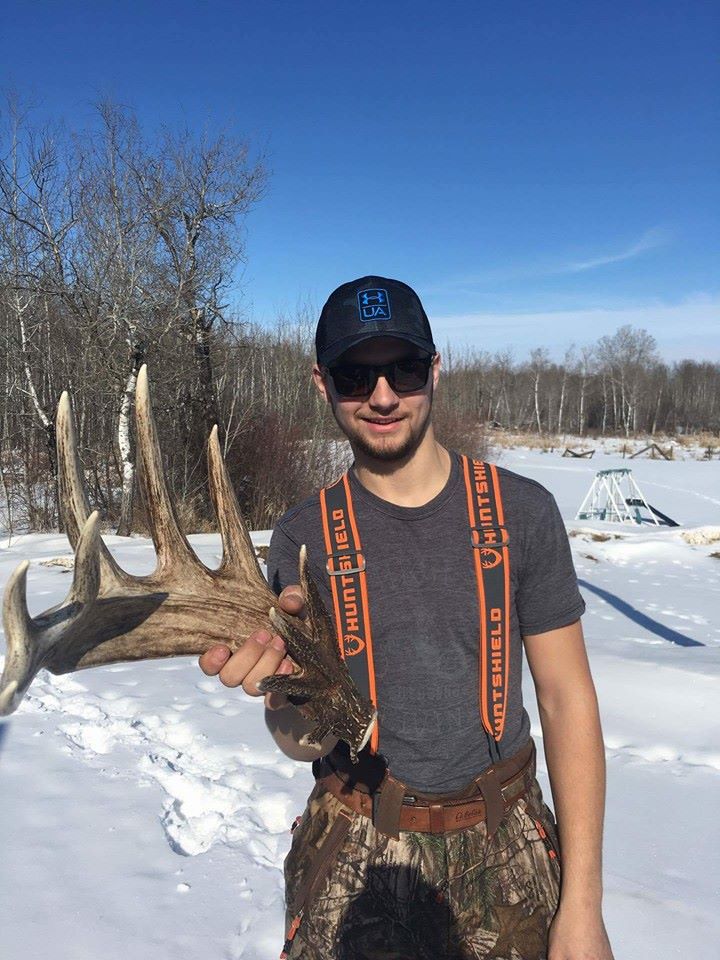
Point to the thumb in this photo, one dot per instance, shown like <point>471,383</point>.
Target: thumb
<point>291,600</point>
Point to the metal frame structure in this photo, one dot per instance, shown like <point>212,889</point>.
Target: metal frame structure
<point>606,499</point>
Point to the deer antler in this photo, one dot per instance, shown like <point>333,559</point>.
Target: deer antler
<point>181,608</point>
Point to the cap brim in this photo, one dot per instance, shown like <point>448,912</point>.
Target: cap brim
<point>333,352</point>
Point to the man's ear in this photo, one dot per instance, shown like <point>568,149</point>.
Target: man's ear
<point>319,381</point>
<point>435,370</point>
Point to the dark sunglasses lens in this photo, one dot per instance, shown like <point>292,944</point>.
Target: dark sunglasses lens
<point>410,375</point>
<point>351,381</point>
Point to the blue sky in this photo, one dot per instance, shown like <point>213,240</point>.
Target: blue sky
<point>539,172</point>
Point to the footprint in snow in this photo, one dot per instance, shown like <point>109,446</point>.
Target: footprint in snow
<point>210,791</point>
<point>230,711</point>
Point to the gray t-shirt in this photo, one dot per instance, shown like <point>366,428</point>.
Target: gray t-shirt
<point>424,615</point>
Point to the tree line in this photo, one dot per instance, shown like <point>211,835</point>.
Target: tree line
<point>118,249</point>
<point>617,386</point>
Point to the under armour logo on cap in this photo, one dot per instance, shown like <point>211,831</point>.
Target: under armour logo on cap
<point>374,305</point>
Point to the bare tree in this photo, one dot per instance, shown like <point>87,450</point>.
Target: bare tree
<point>115,295</point>
<point>627,356</point>
<point>564,372</point>
<point>584,372</point>
<point>36,223</point>
<point>197,193</point>
<point>539,361</point>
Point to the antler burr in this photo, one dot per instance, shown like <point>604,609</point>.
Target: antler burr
<point>183,607</point>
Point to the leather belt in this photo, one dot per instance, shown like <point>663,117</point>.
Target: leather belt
<point>393,807</point>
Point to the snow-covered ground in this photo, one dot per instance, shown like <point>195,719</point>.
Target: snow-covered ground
<point>145,811</point>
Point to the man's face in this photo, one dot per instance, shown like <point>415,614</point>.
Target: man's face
<point>387,425</point>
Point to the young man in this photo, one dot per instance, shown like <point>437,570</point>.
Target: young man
<point>438,843</point>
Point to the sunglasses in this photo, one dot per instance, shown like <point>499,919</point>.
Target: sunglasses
<point>358,380</point>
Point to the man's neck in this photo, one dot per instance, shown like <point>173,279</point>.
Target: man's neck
<point>410,482</point>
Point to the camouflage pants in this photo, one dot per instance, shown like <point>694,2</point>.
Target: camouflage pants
<point>451,896</point>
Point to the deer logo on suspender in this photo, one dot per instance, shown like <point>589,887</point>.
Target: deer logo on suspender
<point>489,558</point>
<point>352,645</point>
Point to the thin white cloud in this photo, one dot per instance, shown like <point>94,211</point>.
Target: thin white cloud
<point>690,328</point>
<point>493,276</point>
<point>649,241</point>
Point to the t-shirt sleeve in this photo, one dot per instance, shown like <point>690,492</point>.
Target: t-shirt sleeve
<point>547,596</point>
<point>282,560</point>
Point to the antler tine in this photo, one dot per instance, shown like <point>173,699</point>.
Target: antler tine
<point>315,610</point>
<point>86,577</point>
<point>73,499</point>
<point>74,502</point>
<point>320,626</point>
<point>172,548</point>
<point>238,552</point>
<point>19,637</point>
<point>33,644</point>
<point>313,602</point>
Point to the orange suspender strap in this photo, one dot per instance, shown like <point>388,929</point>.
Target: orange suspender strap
<point>346,569</point>
<point>489,539</point>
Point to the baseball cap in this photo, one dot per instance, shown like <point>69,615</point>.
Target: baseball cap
<point>366,308</point>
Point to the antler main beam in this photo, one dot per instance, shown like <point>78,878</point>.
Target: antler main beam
<point>183,607</point>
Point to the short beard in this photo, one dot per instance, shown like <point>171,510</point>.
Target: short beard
<point>388,454</point>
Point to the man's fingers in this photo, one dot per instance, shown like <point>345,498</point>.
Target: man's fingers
<point>213,660</point>
<point>262,655</point>
<point>237,666</point>
<point>266,666</point>
<point>291,600</point>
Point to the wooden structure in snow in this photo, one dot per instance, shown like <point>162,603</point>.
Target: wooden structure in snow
<point>586,454</point>
<point>654,451</point>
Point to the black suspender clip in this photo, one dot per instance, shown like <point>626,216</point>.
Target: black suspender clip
<point>482,542</point>
<point>345,553</point>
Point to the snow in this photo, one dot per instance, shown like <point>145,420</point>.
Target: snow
<point>146,811</point>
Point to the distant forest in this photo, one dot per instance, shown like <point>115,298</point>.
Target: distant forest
<point>117,250</point>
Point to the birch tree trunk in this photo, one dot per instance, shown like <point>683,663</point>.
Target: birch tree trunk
<point>562,402</point>
<point>536,393</point>
<point>656,413</point>
<point>124,446</point>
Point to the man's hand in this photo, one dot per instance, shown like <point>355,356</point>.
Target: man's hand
<point>578,933</point>
<point>262,655</point>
